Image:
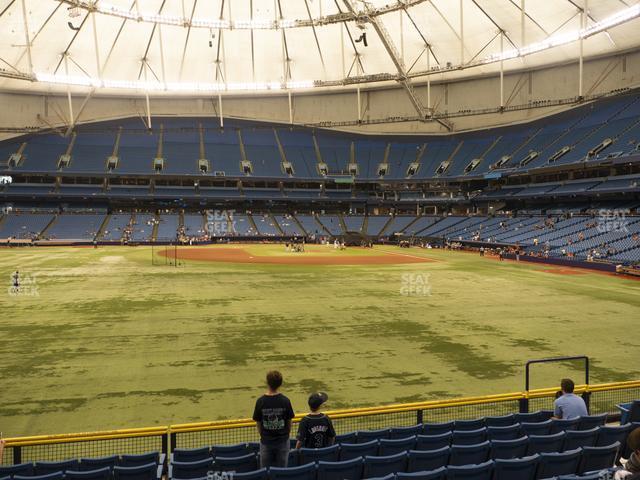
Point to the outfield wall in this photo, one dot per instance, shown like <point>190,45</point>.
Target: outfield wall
<point>566,262</point>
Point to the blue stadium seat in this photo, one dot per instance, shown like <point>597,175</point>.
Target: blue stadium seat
<point>391,447</point>
<point>589,476</point>
<point>510,432</point>
<point>391,476</point>
<point>353,450</point>
<point>141,459</point>
<point>242,464</point>
<point>469,437</point>
<point>552,464</point>
<point>437,474</point>
<point>608,435</point>
<point>533,417</point>
<point>425,460</point>
<point>294,458</point>
<point>347,470</point>
<point>191,454</point>
<point>327,454</point>
<point>433,442</point>
<point>365,436</point>
<point>303,472</point>
<point>563,425</point>
<point>437,428</point>
<point>481,471</point>
<point>598,458</point>
<point>546,443</point>
<point>516,468</point>
<point>382,466</point>
<point>536,428</point>
<point>98,462</point>
<point>507,449</point>
<point>260,474</point>
<point>629,412</point>
<point>469,454</point>
<point>187,470</point>
<point>43,468</point>
<point>404,432</point>
<point>580,438</point>
<point>150,471</point>
<point>97,474</point>
<point>253,447</point>
<point>48,476</point>
<point>468,424</point>
<point>501,421</point>
<point>236,450</point>
<point>346,438</point>
<point>590,421</point>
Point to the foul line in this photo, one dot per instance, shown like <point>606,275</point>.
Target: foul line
<point>410,256</point>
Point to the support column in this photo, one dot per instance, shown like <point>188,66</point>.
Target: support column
<point>70,103</point>
<point>461,33</point>
<point>522,24</point>
<point>501,69</point>
<point>146,95</point>
<point>429,80</point>
<point>583,16</point>
<point>27,38</point>
<point>220,110</point>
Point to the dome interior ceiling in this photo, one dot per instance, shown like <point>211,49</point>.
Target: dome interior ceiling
<point>76,42</point>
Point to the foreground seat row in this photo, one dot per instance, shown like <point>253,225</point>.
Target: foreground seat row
<point>88,468</point>
<point>504,442</point>
<point>405,467</point>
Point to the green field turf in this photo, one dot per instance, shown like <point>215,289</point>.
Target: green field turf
<point>113,341</point>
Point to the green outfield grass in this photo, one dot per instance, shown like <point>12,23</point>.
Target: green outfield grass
<point>113,341</point>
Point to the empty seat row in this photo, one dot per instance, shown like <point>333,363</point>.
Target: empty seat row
<point>411,461</point>
<point>77,468</point>
<point>537,420</point>
<point>428,434</point>
<point>541,465</point>
<point>150,471</point>
<point>499,438</point>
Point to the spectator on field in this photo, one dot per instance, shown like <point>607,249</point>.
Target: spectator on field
<point>569,405</point>
<point>315,429</point>
<point>273,414</point>
<point>631,469</point>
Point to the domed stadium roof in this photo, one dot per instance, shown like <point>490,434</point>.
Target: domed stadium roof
<point>203,46</point>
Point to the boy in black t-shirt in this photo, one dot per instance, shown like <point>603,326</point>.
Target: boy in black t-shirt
<point>316,429</point>
<point>273,414</point>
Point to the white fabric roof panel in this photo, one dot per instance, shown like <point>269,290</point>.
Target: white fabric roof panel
<point>184,53</point>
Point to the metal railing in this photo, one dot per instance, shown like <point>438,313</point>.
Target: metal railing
<point>604,398</point>
<point>524,403</point>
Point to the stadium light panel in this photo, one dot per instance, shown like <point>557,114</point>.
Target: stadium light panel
<point>570,37</point>
<point>170,86</point>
